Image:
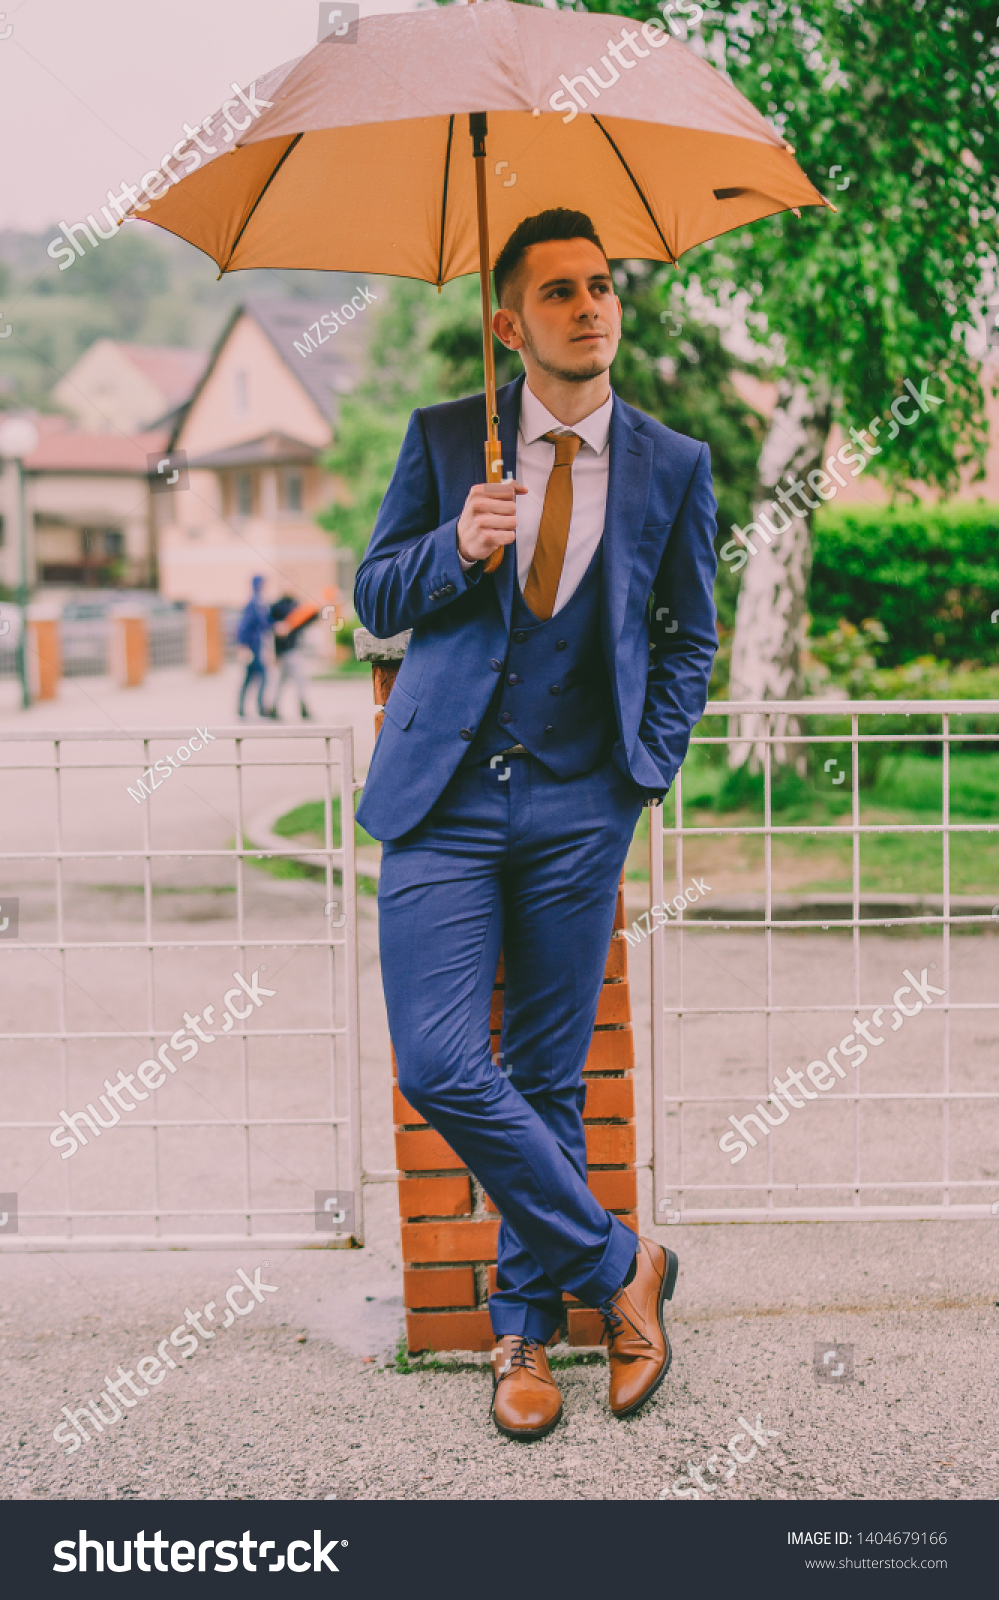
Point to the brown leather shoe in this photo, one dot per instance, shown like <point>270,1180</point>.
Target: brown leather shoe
<point>638,1350</point>
<point>526,1401</point>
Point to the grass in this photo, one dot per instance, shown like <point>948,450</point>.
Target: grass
<point>306,824</point>
<point>907,789</point>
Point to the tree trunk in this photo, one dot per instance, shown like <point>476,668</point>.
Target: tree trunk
<point>771,614</point>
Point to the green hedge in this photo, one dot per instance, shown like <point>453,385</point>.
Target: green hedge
<point>930,575</point>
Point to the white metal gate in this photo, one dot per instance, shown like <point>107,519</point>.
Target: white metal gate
<point>256,1132</point>
<point>910,1134</point>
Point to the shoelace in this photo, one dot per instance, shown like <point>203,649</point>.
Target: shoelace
<point>614,1320</point>
<point>522,1355</point>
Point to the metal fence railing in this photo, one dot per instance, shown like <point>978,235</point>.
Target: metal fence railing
<point>133,925</point>
<point>828,1055</point>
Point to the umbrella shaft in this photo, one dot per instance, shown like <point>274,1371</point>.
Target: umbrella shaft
<point>494,459</point>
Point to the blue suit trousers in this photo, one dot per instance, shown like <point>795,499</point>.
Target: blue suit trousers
<point>511,856</point>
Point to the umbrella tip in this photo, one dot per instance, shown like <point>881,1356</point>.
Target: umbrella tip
<point>796,212</point>
<point>829,203</point>
<point>536,112</point>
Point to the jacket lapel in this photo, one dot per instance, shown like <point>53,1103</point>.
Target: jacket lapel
<point>627,497</point>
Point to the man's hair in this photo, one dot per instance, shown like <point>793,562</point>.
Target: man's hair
<point>547,225</point>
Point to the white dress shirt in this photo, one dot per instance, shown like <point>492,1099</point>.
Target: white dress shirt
<point>535,459</point>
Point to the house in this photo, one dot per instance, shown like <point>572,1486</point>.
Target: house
<point>252,437</point>
<point>128,388</point>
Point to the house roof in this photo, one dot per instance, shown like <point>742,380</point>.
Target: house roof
<point>65,448</point>
<point>173,370</point>
<point>272,449</point>
<point>325,372</point>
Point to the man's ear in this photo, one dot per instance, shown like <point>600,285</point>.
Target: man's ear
<point>506,327</point>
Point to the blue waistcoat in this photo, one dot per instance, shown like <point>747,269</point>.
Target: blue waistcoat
<point>554,694</point>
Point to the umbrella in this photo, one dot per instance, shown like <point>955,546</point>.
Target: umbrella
<point>358,156</point>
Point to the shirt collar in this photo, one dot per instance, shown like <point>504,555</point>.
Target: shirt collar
<point>536,419</point>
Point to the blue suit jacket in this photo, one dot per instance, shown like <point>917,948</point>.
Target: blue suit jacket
<point>658,578</point>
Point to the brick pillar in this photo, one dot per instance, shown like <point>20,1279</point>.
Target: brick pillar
<point>206,642</point>
<point>449,1225</point>
<point>129,651</point>
<point>44,658</point>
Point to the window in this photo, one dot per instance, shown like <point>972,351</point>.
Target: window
<point>293,491</point>
<point>244,494</point>
<point>114,543</point>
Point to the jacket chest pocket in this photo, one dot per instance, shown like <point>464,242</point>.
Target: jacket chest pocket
<point>400,707</point>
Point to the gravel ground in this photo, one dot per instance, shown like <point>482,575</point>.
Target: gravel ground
<point>303,1398</point>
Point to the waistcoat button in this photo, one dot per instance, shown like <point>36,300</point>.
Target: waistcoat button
<point>466,734</point>
<point>560,644</point>
<point>506,716</point>
<point>554,689</point>
<point>549,729</point>
<point>513,678</point>
<point>497,666</point>
<point>519,637</point>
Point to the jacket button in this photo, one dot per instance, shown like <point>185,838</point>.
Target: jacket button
<point>466,734</point>
<point>560,644</point>
<point>506,716</point>
<point>554,689</point>
<point>513,678</point>
<point>549,729</point>
<point>519,637</point>
<point>497,666</point>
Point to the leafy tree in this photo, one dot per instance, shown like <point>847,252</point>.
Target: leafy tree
<point>901,101</point>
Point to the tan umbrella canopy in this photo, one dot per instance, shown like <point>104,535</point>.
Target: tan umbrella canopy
<point>364,159</point>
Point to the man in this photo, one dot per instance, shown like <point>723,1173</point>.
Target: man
<point>527,727</point>
<point>254,626</point>
<point>289,621</point>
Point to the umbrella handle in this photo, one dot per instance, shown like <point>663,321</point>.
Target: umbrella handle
<point>493,448</point>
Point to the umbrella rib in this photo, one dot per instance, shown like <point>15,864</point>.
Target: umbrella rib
<point>638,189</point>
<point>447,174</point>
<point>235,244</point>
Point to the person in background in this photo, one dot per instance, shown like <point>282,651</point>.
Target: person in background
<point>289,621</point>
<point>254,626</point>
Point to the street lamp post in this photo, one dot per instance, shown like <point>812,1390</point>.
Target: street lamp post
<point>18,438</point>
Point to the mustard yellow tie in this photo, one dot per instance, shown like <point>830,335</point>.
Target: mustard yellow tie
<point>553,534</point>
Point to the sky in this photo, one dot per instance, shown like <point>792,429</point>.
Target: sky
<point>93,91</point>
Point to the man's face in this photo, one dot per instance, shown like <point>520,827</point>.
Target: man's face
<point>570,320</point>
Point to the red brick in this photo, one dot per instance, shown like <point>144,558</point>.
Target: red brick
<point>424,1151</point>
<point>617,960</point>
<point>613,1051</point>
<point>491,1279</point>
<point>619,917</point>
<point>610,1097</point>
<point>403,1112</point>
<point>630,1220</point>
<point>435,1197</point>
<point>491,1208</point>
<point>496,1009</point>
<point>449,1241</point>
<point>618,1191</point>
<point>610,1146</point>
<point>585,1326</point>
<point>448,1330</point>
<point>501,972</point>
<point>614,1005</point>
<point>440,1286</point>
